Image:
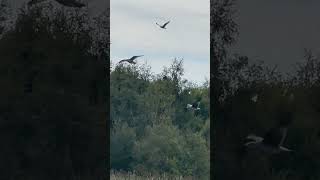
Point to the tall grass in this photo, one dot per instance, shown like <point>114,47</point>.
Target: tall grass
<point>132,176</point>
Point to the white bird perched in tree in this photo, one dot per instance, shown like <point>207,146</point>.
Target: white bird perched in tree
<point>164,25</point>
<point>194,106</point>
<point>130,60</point>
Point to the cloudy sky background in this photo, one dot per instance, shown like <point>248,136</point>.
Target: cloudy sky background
<point>270,30</point>
<point>278,31</point>
<point>134,32</point>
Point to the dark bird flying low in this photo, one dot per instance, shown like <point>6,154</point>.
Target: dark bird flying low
<point>130,60</point>
<point>164,25</point>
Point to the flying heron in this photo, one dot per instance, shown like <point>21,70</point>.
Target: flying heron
<point>164,25</point>
<point>131,60</point>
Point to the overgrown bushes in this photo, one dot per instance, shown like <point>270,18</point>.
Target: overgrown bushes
<point>153,132</point>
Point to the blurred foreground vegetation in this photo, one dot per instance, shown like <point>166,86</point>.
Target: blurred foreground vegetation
<point>235,79</point>
<point>129,175</point>
<point>53,93</point>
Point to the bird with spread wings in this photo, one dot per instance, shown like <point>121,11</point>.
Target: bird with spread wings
<point>164,25</point>
<point>130,60</point>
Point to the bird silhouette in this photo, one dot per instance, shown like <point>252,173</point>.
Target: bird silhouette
<point>271,143</point>
<point>164,77</point>
<point>131,60</point>
<point>68,3</point>
<point>164,25</point>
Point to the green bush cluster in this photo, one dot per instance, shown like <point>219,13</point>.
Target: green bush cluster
<point>152,131</point>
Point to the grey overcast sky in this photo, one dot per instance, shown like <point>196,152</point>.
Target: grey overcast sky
<point>277,31</point>
<point>134,32</point>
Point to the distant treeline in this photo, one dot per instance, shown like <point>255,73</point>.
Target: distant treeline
<point>238,116</point>
<point>152,129</point>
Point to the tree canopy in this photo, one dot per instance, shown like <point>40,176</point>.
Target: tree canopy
<point>152,130</point>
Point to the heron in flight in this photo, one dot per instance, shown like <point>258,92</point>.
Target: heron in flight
<point>68,3</point>
<point>270,143</point>
<point>164,25</point>
<point>131,60</point>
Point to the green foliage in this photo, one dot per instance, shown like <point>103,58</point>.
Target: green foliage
<point>121,146</point>
<point>243,117</point>
<point>159,149</point>
<point>166,149</point>
<point>151,109</point>
<point>196,156</point>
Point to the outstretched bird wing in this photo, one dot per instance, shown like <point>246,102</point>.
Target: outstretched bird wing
<point>165,24</point>
<point>251,142</point>
<point>135,57</point>
<point>254,137</point>
<point>285,149</point>
<point>124,60</point>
